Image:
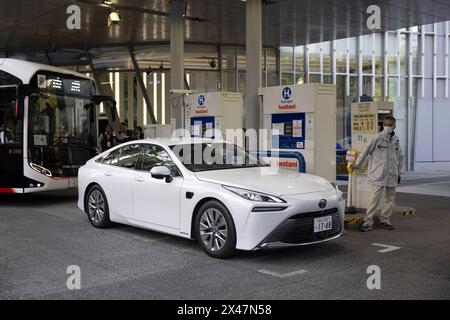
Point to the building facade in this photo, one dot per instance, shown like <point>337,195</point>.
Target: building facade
<point>409,67</point>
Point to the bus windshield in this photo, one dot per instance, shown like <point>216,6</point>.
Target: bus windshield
<point>61,125</point>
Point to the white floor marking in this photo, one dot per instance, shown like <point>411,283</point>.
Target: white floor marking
<point>282,275</point>
<point>388,247</point>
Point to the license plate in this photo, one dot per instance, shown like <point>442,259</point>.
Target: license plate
<point>73,183</point>
<point>322,224</point>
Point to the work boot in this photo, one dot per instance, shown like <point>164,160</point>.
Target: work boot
<point>365,227</point>
<point>387,226</point>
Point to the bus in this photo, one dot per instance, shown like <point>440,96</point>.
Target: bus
<point>48,125</point>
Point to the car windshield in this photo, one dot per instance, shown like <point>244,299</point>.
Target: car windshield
<point>214,156</point>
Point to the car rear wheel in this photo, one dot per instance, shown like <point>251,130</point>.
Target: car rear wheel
<point>97,207</point>
<point>215,230</point>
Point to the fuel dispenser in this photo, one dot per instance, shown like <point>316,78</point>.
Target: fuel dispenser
<point>302,118</point>
<point>213,111</point>
<point>367,122</point>
<point>157,131</point>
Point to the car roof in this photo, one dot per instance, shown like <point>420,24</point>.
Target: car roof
<point>176,141</point>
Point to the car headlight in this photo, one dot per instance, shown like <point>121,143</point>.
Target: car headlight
<point>339,193</point>
<point>253,195</point>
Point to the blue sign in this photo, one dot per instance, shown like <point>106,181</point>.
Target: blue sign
<point>291,127</point>
<point>201,100</point>
<point>286,93</point>
<point>203,123</point>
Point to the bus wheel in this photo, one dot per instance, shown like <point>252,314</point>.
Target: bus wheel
<point>97,207</point>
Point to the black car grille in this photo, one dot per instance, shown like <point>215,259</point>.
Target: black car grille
<point>299,229</point>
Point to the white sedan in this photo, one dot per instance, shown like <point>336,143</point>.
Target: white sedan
<point>210,191</point>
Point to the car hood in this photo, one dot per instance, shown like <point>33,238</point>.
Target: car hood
<point>270,180</point>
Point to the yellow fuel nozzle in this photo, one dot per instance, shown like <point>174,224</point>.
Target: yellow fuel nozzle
<point>351,157</point>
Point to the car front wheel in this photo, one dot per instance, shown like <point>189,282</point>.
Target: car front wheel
<point>215,230</point>
<point>97,207</point>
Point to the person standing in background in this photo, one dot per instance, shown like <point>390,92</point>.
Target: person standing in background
<point>106,139</point>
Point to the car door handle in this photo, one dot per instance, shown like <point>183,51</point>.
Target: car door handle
<point>108,174</point>
<point>139,179</point>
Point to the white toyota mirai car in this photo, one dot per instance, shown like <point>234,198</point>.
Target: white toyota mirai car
<point>211,191</point>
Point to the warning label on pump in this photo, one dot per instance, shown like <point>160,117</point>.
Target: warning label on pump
<point>364,123</point>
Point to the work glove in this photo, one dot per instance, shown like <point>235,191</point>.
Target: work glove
<point>398,179</point>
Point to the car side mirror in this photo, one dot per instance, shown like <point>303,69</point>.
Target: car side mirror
<point>161,172</point>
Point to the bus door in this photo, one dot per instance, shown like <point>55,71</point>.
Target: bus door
<point>11,138</point>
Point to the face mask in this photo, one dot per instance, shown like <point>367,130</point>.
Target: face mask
<point>388,129</point>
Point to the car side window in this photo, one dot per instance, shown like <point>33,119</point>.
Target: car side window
<point>129,156</point>
<point>112,158</point>
<point>156,156</point>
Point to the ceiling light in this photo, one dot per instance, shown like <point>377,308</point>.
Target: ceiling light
<point>114,17</point>
<point>108,2</point>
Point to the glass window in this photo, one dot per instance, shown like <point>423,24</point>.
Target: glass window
<point>314,78</point>
<point>392,49</point>
<point>129,156</point>
<point>299,78</point>
<point>415,54</point>
<point>228,58</point>
<point>366,53</point>
<point>112,158</point>
<point>326,57</point>
<point>299,59</point>
<point>378,54</point>
<point>353,55</point>
<point>367,86</point>
<point>341,55</point>
<point>271,60</point>
<point>286,58</point>
<point>241,81</point>
<point>287,79</point>
<point>403,60</point>
<point>241,59</point>
<point>156,156</point>
<point>229,80</point>
<point>11,126</point>
<point>314,57</point>
<point>273,79</point>
<point>378,96</point>
<point>392,87</point>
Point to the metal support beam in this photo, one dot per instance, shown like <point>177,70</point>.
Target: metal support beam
<point>96,76</point>
<point>142,86</point>
<point>177,57</point>
<point>253,25</point>
<point>103,93</point>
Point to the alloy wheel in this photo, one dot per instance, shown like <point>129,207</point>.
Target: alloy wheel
<point>213,229</point>
<point>96,206</point>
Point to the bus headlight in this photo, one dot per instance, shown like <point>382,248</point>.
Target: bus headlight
<point>40,169</point>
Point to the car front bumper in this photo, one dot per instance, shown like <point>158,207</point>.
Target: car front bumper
<point>293,226</point>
